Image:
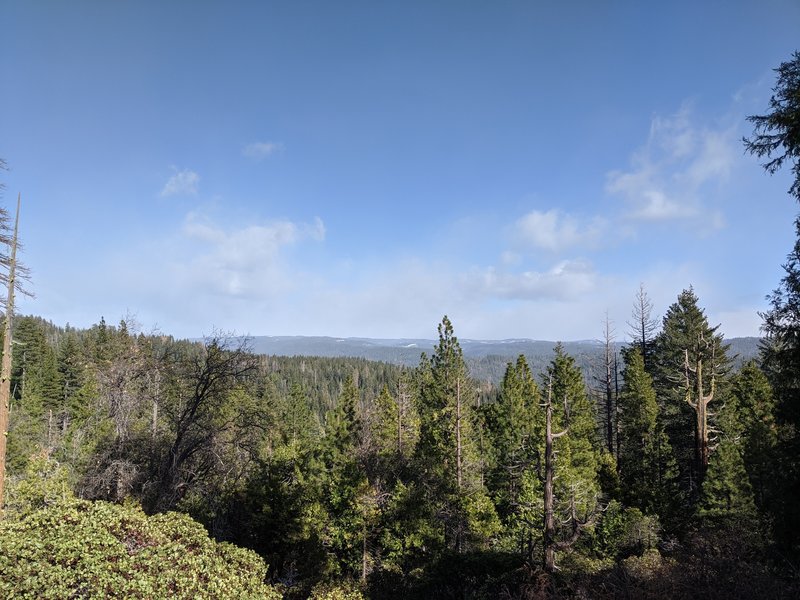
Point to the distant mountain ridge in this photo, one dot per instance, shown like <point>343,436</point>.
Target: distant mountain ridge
<point>486,358</point>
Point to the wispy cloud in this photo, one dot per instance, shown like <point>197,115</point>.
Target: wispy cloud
<point>181,183</point>
<point>566,280</point>
<point>243,261</point>
<point>254,279</point>
<point>261,150</point>
<point>670,172</point>
<point>555,231</point>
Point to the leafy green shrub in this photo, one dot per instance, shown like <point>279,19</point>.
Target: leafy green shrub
<point>81,549</point>
<point>44,483</point>
<point>625,531</point>
<point>343,590</point>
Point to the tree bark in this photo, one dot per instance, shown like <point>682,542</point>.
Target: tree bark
<point>700,406</point>
<point>609,383</point>
<point>549,472</point>
<point>5,369</point>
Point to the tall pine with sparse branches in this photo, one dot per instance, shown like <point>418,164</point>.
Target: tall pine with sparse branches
<point>449,472</point>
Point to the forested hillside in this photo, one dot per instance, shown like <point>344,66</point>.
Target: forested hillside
<point>347,474</point>
<point>486,359</point>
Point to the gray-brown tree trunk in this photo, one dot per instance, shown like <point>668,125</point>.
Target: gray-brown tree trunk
<point>549,473</point>
<point>5,368</point>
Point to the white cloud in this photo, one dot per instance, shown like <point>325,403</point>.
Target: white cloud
<point>244,261</point>
<point>566,280</point>
<point>261,150</point>
<point>671,174</point>
<point>714,158</point>
<point>554,231</point>
<point>181,183</point>
<point>254,279</point>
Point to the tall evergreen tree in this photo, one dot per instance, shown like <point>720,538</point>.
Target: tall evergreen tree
<point>690,363</point>
<point>570,472</point>
<point>446,458</point>
<point>756,426</point>
<point>395,426</point>
<point>776,136</point>
<point>297,424</point>
<point>35,393</point>
<point>345,485</point>
<point>647,467</point>
<point>515,427</point>
<point>727,491</point>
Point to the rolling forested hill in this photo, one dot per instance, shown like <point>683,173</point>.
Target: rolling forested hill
<point>486,359</point>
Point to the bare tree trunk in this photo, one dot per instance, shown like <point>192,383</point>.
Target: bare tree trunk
<point>156,396</point>
<point>50,429</point>
<point>364,552</point>
<point>549,521</point>
<point>5,369</point>
<point>609,385</point>
<point>549,471</point>
<point>700,404</point>
<point>643,326</point>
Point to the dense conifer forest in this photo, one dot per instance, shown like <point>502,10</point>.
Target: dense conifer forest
<point>349,476</point>
<point>143,466</point>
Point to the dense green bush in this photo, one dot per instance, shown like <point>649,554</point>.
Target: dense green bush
<point>80,549</point>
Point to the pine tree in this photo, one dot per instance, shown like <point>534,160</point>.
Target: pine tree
<point>575,410</point>
<point>776,136</point>
<point>755,424</point>
<point>346,489</point>
<point>395,424</point>
<point>72,377</point>
<point>571,486</point>
<point>344,426</point>
<point>647,467</point>
<point>727,492</point>
<point>690,363</point>
<point>297,423</point>
<point>35,393</point>
<point>514,426</point>
<point>450,478</point>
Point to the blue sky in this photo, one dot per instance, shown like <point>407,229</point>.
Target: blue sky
<point>362,168</point>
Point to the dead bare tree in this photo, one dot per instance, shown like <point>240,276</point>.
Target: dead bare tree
<point>698,399</point>
<point>643,326</point>
<point>609,362</point>
<point>12,279</point>
<point>549,473</point>
<point>200,383</point>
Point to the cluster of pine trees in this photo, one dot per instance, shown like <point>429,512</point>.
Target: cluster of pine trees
<point>415,481</point>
